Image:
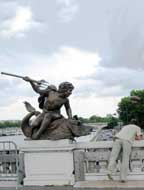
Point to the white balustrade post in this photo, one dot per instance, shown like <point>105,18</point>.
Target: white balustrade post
<point>48,162</point>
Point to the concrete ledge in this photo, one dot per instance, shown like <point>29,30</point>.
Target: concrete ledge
<point>8,184</point>
<point>87,185</point>
<point>109,185</point>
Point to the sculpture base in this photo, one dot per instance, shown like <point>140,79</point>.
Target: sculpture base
<point>48,162</point>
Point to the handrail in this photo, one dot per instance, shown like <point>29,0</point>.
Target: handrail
<point>9,155</point>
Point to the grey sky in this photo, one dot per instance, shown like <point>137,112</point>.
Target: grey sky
<point>97,45</point>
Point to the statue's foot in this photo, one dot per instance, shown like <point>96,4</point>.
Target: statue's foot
<point>35,136</point>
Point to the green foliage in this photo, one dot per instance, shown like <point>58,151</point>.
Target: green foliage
<point>129,109</point>
<point>112,122</point>
<point>84,120</point>
<point>5,124</point>
<point>109,119</point>
<point>96,119</point>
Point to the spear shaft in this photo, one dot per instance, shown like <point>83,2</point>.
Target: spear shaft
<point>22,77</point>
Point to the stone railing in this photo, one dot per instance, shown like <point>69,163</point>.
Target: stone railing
<point>91,161</point>
<point>9,163</point>
<point>64,162</point>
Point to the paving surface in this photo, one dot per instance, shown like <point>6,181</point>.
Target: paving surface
<point>86,185</point>
<point>110,185</point>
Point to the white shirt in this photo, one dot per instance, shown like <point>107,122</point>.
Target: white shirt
<point>129,132</point>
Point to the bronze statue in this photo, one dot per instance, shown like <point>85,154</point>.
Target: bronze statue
<point>50,124</point>
<point>53,100</point>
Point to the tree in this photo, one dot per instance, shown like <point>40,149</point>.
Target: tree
<point>132,107</point>
<point>8,123</point>
<point>95,119</point>
<point>112,121</point>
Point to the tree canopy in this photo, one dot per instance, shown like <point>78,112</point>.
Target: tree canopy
<point>132,107</point>
<point>7,123</point>
<point>111,121</point>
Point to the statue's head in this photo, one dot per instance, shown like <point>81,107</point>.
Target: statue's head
<point>66,88</point>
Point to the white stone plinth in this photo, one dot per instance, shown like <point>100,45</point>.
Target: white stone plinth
<point>48,162</point>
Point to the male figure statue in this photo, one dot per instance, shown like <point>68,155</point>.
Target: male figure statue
<point>51,104</point>
<point>123,142</point>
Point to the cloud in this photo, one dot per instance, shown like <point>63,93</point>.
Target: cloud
<point>126,31</point>
<point>101,106</point>
<point>15,110</point>
<point>67,10</point>
<point>4,83</point>
<point>74,62</point>
<point>114,81</point>
<point>83,68</point>
<point>67,64</point>
<point>64,64</point>
<point>96,45</point>
<point>12,90</point>
<point>19,24</point>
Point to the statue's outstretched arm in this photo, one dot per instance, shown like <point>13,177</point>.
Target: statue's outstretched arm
<point>36,87</point>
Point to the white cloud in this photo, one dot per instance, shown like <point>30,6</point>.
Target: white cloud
<point>66,64</point>
<point>92,105</point>
<point>118,81</point>
<point>111,28</point>
<point>73,63</point>
<point>16,110</point>
<point>67,10</point>
<point>19,24</point>
<point>97,89</point>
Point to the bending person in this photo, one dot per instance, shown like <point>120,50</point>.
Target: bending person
<point>123,143</point>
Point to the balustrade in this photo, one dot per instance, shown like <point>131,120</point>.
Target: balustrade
<point>96,157</point>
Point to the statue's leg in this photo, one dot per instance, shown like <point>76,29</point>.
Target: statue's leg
<point>45,123</point>
<point>37,121</point>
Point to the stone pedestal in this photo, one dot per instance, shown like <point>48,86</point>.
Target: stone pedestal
<point>48,162</point>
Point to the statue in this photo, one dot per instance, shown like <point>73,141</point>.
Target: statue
<point>50,124</point>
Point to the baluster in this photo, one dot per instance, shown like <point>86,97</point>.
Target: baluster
<point>97,167</point>
<point>91,166</point>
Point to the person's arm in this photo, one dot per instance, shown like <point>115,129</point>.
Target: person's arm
<point>139,135</point>
<point>35,86</point>
<point>138,138</point>
<point>68,109</point>
<point>37,89</point>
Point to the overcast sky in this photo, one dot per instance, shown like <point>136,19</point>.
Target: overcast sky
<point>98,45</point>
